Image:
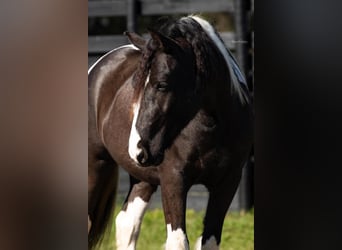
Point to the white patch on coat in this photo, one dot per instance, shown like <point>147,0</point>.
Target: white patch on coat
<point>128,224</point>
<point>210,244</point>
<point>134,136</point>
<point>176,239</point>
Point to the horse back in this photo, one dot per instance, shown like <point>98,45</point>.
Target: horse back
<point>107,76</point>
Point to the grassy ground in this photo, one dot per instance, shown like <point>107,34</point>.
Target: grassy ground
<point>238,231</point>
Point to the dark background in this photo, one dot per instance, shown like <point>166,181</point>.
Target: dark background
<point>298,127</point>
<point>43,179</point>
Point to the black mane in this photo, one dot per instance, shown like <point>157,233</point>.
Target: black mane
<point>205,51</point>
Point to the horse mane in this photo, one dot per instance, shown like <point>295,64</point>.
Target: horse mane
<point>207,52</point>
<point>202,46</point>
<point>238,81</point>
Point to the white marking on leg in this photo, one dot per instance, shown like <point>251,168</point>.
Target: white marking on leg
<point>210,244</point>
<point>176,239</point>
<point>128,224</point>
<point>134,136</point>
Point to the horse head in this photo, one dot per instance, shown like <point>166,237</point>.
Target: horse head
<point>165,95</point>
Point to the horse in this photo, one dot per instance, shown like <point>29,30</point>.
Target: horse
<point>173,110</point>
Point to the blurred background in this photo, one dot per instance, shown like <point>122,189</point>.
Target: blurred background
<point>107,20</point>
<point>43,97</point>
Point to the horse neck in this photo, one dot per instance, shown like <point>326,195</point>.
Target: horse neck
<point>217,93</point>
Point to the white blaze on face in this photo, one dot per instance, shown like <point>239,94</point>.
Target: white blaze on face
<point>210,244</point>
<point>134,136</point>
<point>128,224</point>
<point>176,239</point>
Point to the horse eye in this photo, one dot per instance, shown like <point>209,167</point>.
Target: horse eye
<point>162,86</point>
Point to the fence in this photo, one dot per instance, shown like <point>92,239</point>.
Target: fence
<point>239,42</point>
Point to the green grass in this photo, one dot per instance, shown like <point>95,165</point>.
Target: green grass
<point>238,230</point>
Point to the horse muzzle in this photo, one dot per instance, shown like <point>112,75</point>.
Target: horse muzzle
<point>146,158</point>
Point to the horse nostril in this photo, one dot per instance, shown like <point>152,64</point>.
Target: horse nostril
<point>142,157</point>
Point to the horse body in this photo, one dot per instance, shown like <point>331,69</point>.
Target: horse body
<point>155,111</point>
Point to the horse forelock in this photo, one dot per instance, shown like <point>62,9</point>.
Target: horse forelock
<point>142,72</point>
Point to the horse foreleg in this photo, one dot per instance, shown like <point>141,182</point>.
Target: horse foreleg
<point>174,204</point>
<point>129,219</point>
<point>220,199</point>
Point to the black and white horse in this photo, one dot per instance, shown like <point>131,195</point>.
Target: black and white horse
<point>174,111</point>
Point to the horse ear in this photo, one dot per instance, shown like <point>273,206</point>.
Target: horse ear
<point>135,39</point>
<point>165,43</point>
